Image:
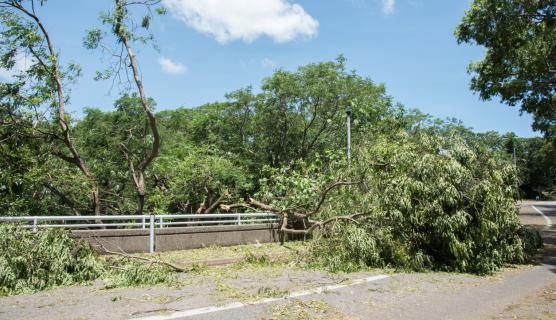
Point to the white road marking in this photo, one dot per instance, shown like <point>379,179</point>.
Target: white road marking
<point>547,219</point>
<point>236,305</point>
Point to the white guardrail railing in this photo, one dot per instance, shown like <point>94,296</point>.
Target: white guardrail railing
<point>114,222</point>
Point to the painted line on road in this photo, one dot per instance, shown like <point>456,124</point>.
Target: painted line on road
<point>547,219</point>
<point>237,305</point>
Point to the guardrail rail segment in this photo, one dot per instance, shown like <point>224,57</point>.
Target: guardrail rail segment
<point>142,221</point>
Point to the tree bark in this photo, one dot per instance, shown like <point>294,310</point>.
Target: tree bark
<point>139,173</point>
<point>297,220</point>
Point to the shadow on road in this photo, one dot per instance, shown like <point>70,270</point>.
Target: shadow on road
<point>549,248</point>
<point>530,215</point>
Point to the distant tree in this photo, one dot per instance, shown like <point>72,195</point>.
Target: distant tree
<point>299,115</point>
<point>520,61</point>
<point>103,137</point>
<point>533,157</point>
<point>126,31</point>
<point>302,114</point>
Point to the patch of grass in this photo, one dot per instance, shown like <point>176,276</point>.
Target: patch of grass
<point>198,256</point>
<point>231,291</point>
<point>160,299</point>
<point>127,273</point>
<point>252,258</point>
<point>234,292</point>
<point>304,310</point>
<point>271,292</point>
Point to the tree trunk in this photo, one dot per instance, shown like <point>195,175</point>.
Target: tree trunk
<point>140,203</point>
<point>95,201</point>
<point>75,158</point>
<point>138,176</point>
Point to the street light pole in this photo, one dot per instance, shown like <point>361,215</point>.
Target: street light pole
<point>348,113</point>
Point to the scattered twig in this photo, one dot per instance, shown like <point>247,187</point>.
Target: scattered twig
<point>122,253</point>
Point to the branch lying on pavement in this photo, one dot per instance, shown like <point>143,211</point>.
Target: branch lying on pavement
<point>122,253</point>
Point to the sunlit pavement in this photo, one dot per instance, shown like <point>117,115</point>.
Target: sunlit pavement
<point>424,296</point>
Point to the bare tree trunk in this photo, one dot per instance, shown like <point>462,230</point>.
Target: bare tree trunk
<point>138,175</point>
<point>140,203</point>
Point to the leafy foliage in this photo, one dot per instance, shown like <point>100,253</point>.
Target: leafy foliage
<point>34,261</point>
<point>426,200</point>
<point>200,177</point>
<point>520,61</point>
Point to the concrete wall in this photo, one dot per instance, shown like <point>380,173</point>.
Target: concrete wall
<point>180,238</point>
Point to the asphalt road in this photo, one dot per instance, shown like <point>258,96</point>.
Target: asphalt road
<point>413,296</point>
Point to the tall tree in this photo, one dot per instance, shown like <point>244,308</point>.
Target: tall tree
<point>520,62</point>
<point>25,36</point>
<point>126,31</point>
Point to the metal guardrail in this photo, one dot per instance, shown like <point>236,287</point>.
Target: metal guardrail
<point>141,221</point>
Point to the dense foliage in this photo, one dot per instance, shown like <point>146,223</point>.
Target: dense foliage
<point>519,66</point>
<point>221,151</point>
<point>422,200</point>
<point>34,261</point>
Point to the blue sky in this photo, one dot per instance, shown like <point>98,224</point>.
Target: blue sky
<point>211,47</point>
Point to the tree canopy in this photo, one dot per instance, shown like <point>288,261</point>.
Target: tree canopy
<point>420,192</point>
<point>519,66</point>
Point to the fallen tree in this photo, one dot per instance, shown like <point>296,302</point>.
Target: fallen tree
<point>426,200</point>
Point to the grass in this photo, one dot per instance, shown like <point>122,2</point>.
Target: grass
<point>250,251</point>
<point>270,259</point>
<point>304,310</point>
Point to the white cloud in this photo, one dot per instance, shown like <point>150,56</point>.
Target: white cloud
<point>171,67</point>
<point>245,20</point>
<point>268,63</point>
<point>388,6</point>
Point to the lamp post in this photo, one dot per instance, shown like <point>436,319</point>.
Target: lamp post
<point>348,113</point>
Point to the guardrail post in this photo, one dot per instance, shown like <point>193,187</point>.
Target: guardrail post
<point>143,222</point>
<point>151,234</point>
<point>239,219</point>
<point>161,222</point>
<point>35,220</point>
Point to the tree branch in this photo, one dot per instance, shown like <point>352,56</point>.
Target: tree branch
<point>326,191</point>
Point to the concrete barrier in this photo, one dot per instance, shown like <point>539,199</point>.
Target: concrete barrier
<point>179,238</point>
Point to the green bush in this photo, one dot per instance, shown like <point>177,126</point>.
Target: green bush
<point>34,261</point>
